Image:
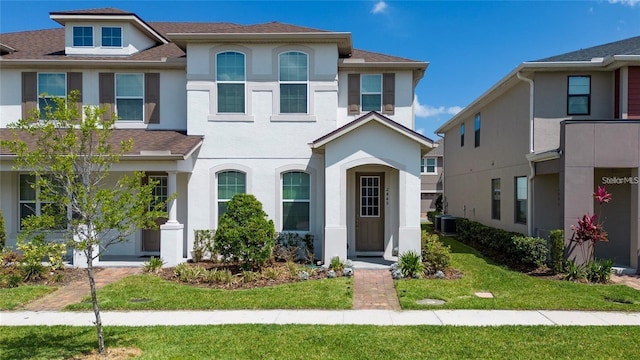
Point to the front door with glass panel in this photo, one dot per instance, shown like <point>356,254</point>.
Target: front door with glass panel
<point>370,212</point>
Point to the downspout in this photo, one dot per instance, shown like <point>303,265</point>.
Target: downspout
<point>532,169</point>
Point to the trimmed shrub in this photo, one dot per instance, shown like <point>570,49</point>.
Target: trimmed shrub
<point>244,234</point>
<point>410,265</point>
<point>531,251</point>
<point>3,232</point>
<point>556,239</point>
<point>431,215</point>
<point>435,255</point>
<point>203,244</point>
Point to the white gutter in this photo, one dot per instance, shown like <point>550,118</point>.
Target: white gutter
<point>532,169</point>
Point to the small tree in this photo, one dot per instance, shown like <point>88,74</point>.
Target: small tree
<point>244,234</point>
<point>590,228</point>
<point>71,163</point>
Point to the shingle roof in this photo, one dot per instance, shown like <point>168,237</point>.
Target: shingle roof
<point>629,46</point>
<point>96,11</point>
<point>174,142</point>
<point>369,56</point>
<point>437,151</point>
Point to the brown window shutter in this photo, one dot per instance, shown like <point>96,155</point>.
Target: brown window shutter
<point>388,93</point>
<point>74,82</point>
<point>354,94</point>
<point>107,95</point>
<point>152,98</point>
<point>29,93</point>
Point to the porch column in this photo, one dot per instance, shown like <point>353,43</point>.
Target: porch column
<point>172,232</point>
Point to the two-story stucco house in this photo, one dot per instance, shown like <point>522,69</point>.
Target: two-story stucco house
<point>432,178</point>
<point>320,132</point>
<point>528,154</point>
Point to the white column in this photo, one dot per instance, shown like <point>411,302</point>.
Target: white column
<point>172,206</point>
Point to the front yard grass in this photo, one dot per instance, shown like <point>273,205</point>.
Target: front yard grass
<point>148,292</point>
<point>327,342</point>
<point>511,290</point>
<point>11,298</point>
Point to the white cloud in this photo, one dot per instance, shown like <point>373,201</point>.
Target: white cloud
<point>631,3</point>
<point>420,131</point>
<point>425,111</point>
<point>379,7</point>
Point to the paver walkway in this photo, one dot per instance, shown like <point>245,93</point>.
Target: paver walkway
<point>632,281</point>
<point>75,291</point>
<point>373,289</point>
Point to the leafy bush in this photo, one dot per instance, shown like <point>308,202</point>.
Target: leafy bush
<point>500,244</point>
<point>410,265</point>
<point>38,249</point>
<point>290,246</point>
<point>574,272</point>
<point>189,274</point>
<point>435,255</point>
<point>336,264</point>
<point>219,276</point>
<point>244,234</point>
<point>202,244</point>
<point>153,265</point>
<point>438,204</point>
<point>3,232</point>
<point>250,276</point>
<point>599,270</point>
<point>431,215</point>
<point>556,250</point>
<point>531,251</point>
<point>10,280</point>
<point>33,271</point>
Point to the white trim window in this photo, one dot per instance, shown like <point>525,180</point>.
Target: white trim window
<point>83,36</point>
<point>428,166</point>
<point>296,201</point>
<point>294,81</point>
<point>130,97</point>
<point>160,190</point>
<point>371,92</point>
<point>31,204</point>
<point>111,36</point>
<point>230,78</point>
<point>230,183</point>
<point>50,85</point>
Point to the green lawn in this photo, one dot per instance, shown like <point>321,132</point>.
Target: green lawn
<point>153,293</point>
<point>328,342</point>
<point>11,298</point>
<point>512,290</point>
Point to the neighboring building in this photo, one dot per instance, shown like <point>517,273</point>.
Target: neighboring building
<point>321,133</point>
<point>528,154</point>
<point>432,176</point>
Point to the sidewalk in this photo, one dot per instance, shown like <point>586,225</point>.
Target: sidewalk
<point>324,317</point>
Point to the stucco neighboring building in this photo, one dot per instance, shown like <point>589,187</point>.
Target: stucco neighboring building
<point>432,178</point>
<point>319,131</point>
<point>528,154</point>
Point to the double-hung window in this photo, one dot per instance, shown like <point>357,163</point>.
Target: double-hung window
<point>32,202</point>
<point>50,86</point>
<point>371,92</point>
<point>495,199</point>
<point>229,184</point>
<point>230,77</point>
<point>477,130</point>
<point>294,76</point>
<point>428,166</point>
<point>82,36</point>
<point>130,97</point>
<point>521,200</point>
<point>111,37</point>
<point>296,194</point>
<point>579,95</point>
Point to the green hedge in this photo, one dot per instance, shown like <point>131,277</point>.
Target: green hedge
<point>556,238</point>
<point>510,248</point>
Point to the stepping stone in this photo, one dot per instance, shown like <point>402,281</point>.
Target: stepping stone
<point>484,295</point>
<point>430,302</point>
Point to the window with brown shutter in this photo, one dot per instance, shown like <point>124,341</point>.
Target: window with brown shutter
<point>29,93</point>
<point>388,93</point>
<point>152,98</point>
<point>354,94</point>
<point>107,93</point>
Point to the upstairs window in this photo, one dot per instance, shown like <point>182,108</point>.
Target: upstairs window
<point>50,86</point>
<point>83,36</point>
<point>462,134</point>
<point>293,78</point>
<point>477,130</point>
<point>130,97</point>
<point>428,166</point>
<point>371,92</point>
<point>229,184</point>
<point>230,77</point>
<point>112,37</point>
<point>296,193</point>
<point>579,95</point>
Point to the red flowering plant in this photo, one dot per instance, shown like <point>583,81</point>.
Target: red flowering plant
<point>590,230</point>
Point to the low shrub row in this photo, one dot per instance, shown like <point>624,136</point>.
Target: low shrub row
<point>510,248</point>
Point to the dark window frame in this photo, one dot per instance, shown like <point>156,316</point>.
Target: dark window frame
<point>518,202</point>
<point>82,37</point>
<point>476,129</point>
<point>573,96</point>
<point>462,135</point>
<point>496,203</point>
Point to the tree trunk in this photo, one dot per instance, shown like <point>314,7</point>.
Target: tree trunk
<point>94,298</point>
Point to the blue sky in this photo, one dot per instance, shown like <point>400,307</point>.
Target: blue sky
<point>470,45</point>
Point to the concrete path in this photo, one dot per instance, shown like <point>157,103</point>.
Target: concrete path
<point>631,280</point>
<point>324,317</point>
<point>373,289</point>
<point>77,290</point>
